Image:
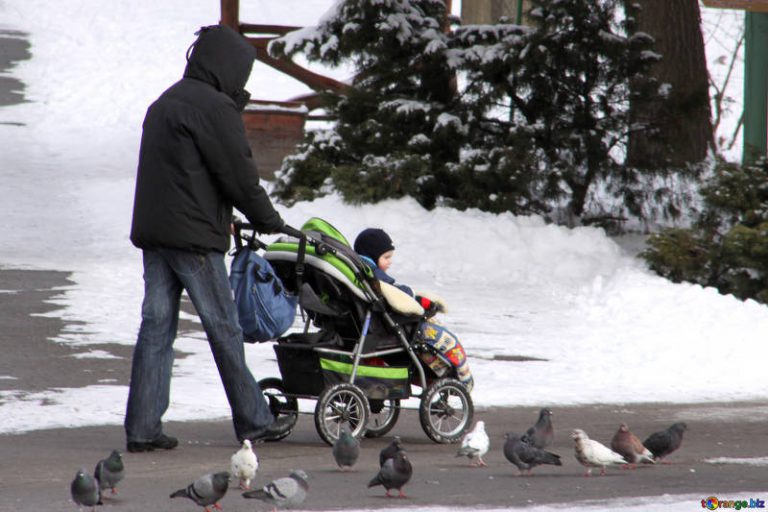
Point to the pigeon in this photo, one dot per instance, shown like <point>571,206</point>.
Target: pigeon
<point>244,465</point>
<point>592,454</point>
<point>110,471</point>
<point>520,452</point>
<point>85,490</point>
<point>289,491</point>
<point>389,451</point>
<point>206,490</point>
<point>346,450</point>
<point>626,444</point>
<point>474,445</point>
<point>394,474</point>
<point>542,433</point>
<point>664,442</point>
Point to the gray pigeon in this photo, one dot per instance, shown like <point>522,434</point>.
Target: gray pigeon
<point>284,492</point>
<point>542,433</point>
<point>394,474</point>
<point>206,490</point>
<point>389,451</point>
<point>346,450</point>
<point>520,452</point>
<point>85,490</point>
<point>110,471</point>
<point>664,442</point>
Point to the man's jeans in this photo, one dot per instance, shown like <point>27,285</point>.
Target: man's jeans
<point>204,277</point>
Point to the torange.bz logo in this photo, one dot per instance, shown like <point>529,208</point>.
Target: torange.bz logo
<point>713,503</point>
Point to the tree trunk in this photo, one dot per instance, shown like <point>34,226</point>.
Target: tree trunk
<point>684,121</point>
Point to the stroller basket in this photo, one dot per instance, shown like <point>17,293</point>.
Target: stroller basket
<point>306,372</point>
<point>377,382</point>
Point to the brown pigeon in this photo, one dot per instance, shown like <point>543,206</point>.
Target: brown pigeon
<point>664,442</point>
<point>627,444</point>
<point>542,433</point>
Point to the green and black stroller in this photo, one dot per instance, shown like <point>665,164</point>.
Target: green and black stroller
<point>360,352</point>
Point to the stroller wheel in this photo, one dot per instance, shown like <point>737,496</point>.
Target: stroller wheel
<point>384,415</point>
<point>446,411</point>
<point>279,403</point>
<point>341,405</point>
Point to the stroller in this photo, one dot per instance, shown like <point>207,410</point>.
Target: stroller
<point>363,355</point>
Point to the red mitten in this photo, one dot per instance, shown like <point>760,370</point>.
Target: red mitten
<point>430,307</point>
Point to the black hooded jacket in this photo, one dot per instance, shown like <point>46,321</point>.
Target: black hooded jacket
<point>195,163</point>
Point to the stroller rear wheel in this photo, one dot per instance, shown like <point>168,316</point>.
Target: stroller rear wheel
<point>279,403</point>
<point>384,415</point>
<point>446,411</point>
<point>341,405</point>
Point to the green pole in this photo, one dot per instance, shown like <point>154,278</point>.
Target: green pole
<point>519,18</point>
<point>755,86</point>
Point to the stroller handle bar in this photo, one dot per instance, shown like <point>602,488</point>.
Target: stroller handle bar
<point>240,227</point>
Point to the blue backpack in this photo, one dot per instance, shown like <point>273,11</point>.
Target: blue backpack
<point>266,310</point>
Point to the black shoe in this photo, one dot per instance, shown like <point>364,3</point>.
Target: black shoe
<point>277,430</point>
<point>163,442</point>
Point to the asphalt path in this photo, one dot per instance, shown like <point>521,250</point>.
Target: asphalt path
<point>38,466</point>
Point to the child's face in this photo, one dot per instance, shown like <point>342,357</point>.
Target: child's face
<point>385,260</point>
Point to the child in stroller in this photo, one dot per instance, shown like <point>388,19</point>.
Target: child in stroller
<point>376,249</point>
<point>361,350</point>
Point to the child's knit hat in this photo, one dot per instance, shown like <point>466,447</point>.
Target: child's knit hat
<point>373,242</point>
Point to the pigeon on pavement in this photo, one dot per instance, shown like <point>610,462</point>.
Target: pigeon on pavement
<point>85,490</point>
<point>285,492</point>
<point>664,442</point>
<point>244,465</point>
<point>346,450</point>
<point>474,445</point>
<point>110,471</point>
<point>389,451</point>
<point>542,433</point>
<point>626,444</point>
<point>592,454</point>
<point>206,490</point>
<point>394,474</point>
<point>520,452</point>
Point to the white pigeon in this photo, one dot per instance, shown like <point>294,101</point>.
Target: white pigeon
<point>475,444</point>
<point>592,454</point>
<point>244,465</point>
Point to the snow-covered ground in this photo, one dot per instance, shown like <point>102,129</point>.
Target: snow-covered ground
<point>605,328</point>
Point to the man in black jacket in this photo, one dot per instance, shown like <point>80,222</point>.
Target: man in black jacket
<point>194,166</point>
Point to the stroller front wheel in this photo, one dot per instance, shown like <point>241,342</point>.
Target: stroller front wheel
<point>341,405</point>
<point>446,411</point>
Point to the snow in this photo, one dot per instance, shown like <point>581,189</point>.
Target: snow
<point>577,301</point>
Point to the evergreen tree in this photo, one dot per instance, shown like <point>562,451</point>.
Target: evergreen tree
<point>537,122</point>
<point>394,131</point>
<point>565,84</point>
<point>727,247</point>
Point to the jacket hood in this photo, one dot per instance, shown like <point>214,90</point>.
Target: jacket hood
<point>222,58</point>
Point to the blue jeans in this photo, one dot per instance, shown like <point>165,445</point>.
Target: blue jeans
<point>204,276</point>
